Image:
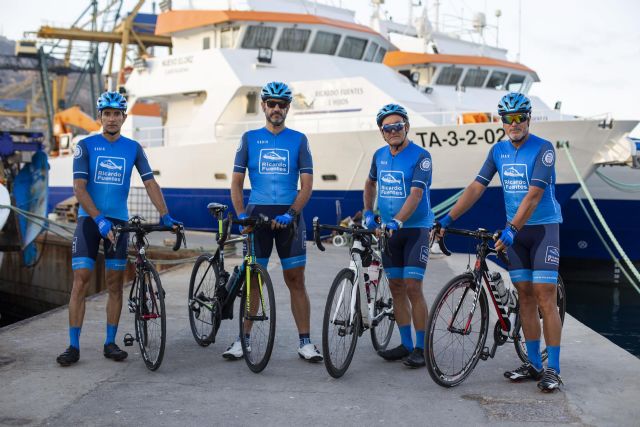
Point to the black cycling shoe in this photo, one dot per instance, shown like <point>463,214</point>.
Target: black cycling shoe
<point>524,372</point>
<point>396,353</point>
<point>113,352</point>
<point>415,359</point>
<point>550,381</point>
<point>70,356</point>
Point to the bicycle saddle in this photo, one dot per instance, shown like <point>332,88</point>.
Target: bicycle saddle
<point>216,207</point>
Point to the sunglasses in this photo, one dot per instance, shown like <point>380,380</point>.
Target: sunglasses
<point>514,118</point>
<point>393,127</point>
<point>273,104</point>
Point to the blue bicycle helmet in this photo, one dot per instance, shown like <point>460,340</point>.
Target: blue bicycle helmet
<point>514,102</point>
<point>112,100</point>
<point>390,109</point>
<point>276,90</point>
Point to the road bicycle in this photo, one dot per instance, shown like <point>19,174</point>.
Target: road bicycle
<point>213,291</point>
<point>459,320</point>
<point>146,297</point>
<point>345,317</point>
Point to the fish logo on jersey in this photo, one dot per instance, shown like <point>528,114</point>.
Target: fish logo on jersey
<point>391,184</point>
<point>110,170</point>
<point>274,161</point>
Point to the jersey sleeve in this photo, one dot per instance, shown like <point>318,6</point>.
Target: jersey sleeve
<point>373,171</point>
<point>422,172</point>
<point>543,167</point>
<point>305,161</point>
<point>488,170</point>
<point>81,161</point>
<point>142,164</point>
<point>242,155</point>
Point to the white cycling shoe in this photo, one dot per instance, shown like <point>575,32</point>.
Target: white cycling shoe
<point>234,352</point>
<point>310,353</point>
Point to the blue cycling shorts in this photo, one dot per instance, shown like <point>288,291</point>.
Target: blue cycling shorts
<point>86,241</point>
<point>291,250</point>
<point>535,254</point>
<point>409,249</point>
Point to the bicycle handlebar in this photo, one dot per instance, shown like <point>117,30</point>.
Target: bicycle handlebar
<point>479,234</point>
<point>257,221</point>
<point>136,226</point>
<point>355,230</point>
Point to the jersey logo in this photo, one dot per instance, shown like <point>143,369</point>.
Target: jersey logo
<point>77,152</point>
<point>515,178</point>
<point>392,184</point>
<point>552,256</point>
<point>425,165</point>
<point>110,170</point>
<point>424,253</point>
<point>274,161</point>
<point>548,157</point>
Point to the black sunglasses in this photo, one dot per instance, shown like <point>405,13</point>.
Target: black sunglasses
<point>393,127</point>
<point>272,104</point>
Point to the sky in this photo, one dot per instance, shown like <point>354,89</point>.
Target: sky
<point>586,52</point>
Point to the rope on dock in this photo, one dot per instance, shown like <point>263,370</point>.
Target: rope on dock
<point>632,268</point>
<point>622,186</point>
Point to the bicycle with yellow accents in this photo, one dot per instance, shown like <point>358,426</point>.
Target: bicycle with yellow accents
<point>213,291</point>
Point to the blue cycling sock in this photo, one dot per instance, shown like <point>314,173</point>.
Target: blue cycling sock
<point>533,353</point>
<point>304,339</point>
<point>111,334</point>
<point>554,357</point>
<point>405,336</point>
<point>74,337</point>
<point>420,339</point>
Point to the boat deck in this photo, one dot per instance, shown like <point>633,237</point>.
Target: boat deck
<point>195,385</point>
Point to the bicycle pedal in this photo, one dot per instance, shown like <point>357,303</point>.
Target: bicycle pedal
<point>128,340</point>
<point>485,353</point>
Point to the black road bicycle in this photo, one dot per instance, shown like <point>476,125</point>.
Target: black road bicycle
<point>345,316</point>
<point>146,297</point>
<point>459,320</point>
<point>213,291</point>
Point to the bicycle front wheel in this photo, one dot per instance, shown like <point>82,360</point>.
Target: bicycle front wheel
<point>257,318</point>
<point>151,318</point>
<point>341,324</point>
<point>518,335</point>
<point>382,306</point>
<point>457,331</point>
<point>204,313</point>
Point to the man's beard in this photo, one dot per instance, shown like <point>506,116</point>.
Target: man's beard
<point>276,122</point>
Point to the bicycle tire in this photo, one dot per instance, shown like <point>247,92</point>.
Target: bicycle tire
<point>337,366</point>
<point>257,352</point>
<point>382,332</point>
<point>458,292</point>
<point>204,316</point>
<point>151,318</point>
<point>518,335</point>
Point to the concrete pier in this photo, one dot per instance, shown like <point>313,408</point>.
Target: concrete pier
<point>195,385</point>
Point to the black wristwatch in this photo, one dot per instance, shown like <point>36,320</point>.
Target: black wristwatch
<point>292,212</point>
<point>512,227</point>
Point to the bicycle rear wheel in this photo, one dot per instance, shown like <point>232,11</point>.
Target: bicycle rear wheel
<point>257,318</point>
<point>457,331</point>
<point>519,340</point>
<point>340,329</point>
<point>382,303</point>
<point>151,318</point>
<point>204,309</point>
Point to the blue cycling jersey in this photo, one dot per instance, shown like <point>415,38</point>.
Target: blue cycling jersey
<point>107,167</point>
<point>396,175</point>
<point>275,163</point>
<point>530,164</point>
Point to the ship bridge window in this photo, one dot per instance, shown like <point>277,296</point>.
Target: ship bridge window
<point>449,76</point>
<point>475,77</point>
<point>496,81</point>
<point>258,36</point>
<point>206,43</point>
<point>380,55</point>
<point>515,82</point>
<point>352,47</point>
<point>325,43</point>
<point>371,51</point>
<point>294,40</point>
<point>228,36</point>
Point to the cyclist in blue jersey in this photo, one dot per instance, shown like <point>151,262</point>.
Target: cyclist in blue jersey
<point>400,175</point>
<point>102,167</point>
<point>526,165</point>
<point>276,158</point>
